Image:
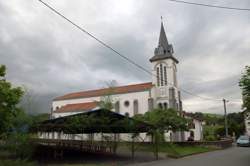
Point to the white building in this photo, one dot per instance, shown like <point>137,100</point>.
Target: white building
<point>137,98</point>
<point>195,127</point>
<point>247,122</point>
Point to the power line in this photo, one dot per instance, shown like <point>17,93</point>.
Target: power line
<point>209,5</point>
<point>117,52</point>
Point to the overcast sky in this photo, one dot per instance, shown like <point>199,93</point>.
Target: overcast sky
<point>50,57</point>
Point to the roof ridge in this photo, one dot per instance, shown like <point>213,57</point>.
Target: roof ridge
<point>71,95</point>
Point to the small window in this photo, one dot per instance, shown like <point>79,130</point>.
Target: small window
<point>136,107</point>
<point>57,108</point>
<point>126,103</point>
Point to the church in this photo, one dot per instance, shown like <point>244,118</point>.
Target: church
<point>161,92</point>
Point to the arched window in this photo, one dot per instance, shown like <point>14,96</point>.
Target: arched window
<point>161,74</point>
<point>117,107</point>
<point>158,76</point>
<point>160,105</point>
<point>165,105</point>
<point>165,75</point>
<point>136,107</point>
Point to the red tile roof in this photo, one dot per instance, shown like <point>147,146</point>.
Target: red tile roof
<point>105,91</point>
<point>77,107</point>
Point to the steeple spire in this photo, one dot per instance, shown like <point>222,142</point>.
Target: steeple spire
<point>164,50</point>
<point>163,41</point>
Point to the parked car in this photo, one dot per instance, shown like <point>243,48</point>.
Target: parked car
<point>243,140</point>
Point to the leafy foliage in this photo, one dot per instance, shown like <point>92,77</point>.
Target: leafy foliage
<point>14,122</point>
<point>19,145</point>
<point>9,98</point>
<point>166,119</point>
<point>214,128</point>
<point>235,125</point>
<point>245,87</point>
<point>106,101</point>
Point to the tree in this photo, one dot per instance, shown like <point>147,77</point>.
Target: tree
<point>106,101</point>
<point>9,99</point>
<point>245,87</point>
<point>164,120</point>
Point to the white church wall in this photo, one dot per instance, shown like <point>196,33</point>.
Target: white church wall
<point>141,97</point>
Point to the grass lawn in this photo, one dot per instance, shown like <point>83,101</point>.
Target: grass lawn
<point>180,151</point>
<point>173,150</point>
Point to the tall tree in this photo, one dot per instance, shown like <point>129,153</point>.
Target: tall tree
<point>9,98</point>
<point>245,87</point>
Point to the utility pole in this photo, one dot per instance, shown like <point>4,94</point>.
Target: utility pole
<point>225,116</point>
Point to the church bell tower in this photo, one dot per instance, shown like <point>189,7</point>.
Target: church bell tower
<point>164,77</point>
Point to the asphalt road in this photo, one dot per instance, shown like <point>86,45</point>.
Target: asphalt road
<point>235,156</point>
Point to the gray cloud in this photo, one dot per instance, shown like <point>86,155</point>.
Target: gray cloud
<point>50,57</point>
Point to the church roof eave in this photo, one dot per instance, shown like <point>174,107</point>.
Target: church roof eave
<point>156,58</point>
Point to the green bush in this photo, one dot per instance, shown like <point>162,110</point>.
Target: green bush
<point>20,146</point>
<point>210,138</point>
